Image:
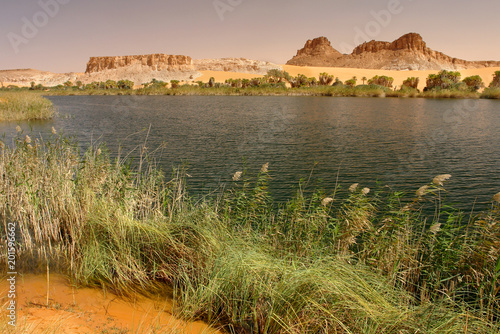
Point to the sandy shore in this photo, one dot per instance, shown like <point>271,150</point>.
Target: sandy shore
<point>84,310</point>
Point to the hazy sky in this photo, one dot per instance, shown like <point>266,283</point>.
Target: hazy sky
<point>61,35</point>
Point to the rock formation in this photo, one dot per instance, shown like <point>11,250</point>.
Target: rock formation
<point>156,62</point>
<point>408,52</point>
<point>241,65</point>
<point>316,52</point>
<point>140,68</point>
<point>24,77</point>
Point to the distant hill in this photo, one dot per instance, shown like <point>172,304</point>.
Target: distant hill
<point>139,69</point>
<point>409,52</point>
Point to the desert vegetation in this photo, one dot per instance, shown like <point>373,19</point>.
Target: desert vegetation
<point>444,84</point>
<point>493,90</point>
<point>335,260</point>
<point>21,105</point>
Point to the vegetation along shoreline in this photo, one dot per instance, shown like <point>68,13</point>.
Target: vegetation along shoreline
<point>445,84</point>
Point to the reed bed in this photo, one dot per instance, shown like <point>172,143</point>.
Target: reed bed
<point>491,93</point>
<point>269,90</point>
<point>23,105</point>
<point>340,261</point>
<point>450,94</point>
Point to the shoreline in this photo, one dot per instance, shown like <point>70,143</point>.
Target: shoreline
<point>74,309</point>
<point>343,73</point>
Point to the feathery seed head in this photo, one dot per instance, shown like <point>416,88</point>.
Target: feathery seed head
<point>326,201</point>
<point>98,152</point>
<point>496,198</point>
<point>353,187</point>
<point>27,140</point>
<point>435,228</point>
<point>365,191</point>
<point>438,180</point>
<point>18,128</point>
<point>237,176</point>
<point>422,191</point>
<point>54,132</point>
<point>30,147</point>
<point>265,168</point>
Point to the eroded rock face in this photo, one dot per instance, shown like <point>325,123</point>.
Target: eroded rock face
<point>409,42</point>
<point>241,65</point>
<point>318,46</point>
<point>409,52</point>
<point>156,62</point>
<point>318,50</point>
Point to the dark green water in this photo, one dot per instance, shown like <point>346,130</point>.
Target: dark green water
<point>400,142</point>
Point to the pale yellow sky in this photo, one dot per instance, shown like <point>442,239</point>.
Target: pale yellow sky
<point>60,35</point>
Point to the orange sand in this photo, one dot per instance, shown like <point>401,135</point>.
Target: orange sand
<point>85,310</point>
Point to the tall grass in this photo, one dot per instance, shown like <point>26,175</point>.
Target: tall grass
<point>15,106</point>
<point>491,93</point>
<point>270,90</point>
<point>450,94</point>
<point>336,261</point>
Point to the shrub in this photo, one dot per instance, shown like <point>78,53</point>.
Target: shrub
<point>383,80</point>
<point>351,82</point>
<point>211,82</point>
<point>411,82</point>
<point>443,80</point>
<point>312,82</point>
<point>174,83</point>
<point>125,84</point>
<point>277,76</point>
<point>474,82</point>
<point>325,79</point>
<point>299,81</point>
<point>496,80</point>
<point>338,82</point>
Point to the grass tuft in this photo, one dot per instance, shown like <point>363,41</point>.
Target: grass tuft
<point>16,106</point>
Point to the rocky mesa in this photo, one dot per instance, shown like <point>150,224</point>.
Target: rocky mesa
<point>409,52</point>
<point>140,68</point>
<point>154,62</point>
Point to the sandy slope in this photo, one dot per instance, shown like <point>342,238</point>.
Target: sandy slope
<point>84,310</point>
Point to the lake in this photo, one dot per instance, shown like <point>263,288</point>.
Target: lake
<point>399,142</point>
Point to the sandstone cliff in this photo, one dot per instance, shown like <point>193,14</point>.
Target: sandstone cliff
<point>155,62</point>
<point>408,52</point>
<point>140,68</point>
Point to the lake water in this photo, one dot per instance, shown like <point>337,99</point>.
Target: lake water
<point>403,143</point>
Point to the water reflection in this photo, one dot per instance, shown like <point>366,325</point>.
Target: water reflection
<point>400,142</point>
